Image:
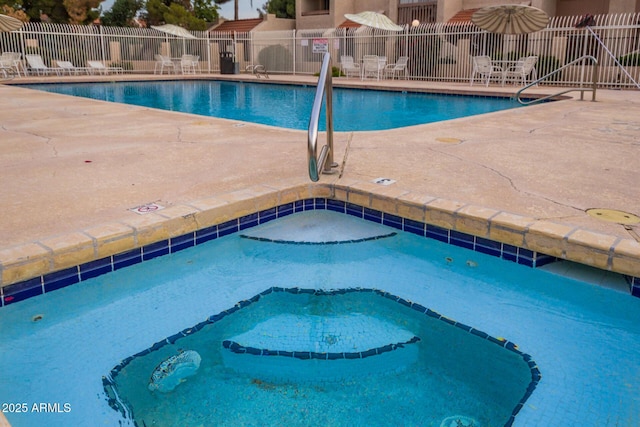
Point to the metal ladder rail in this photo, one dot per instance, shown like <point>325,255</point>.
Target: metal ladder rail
<point>580,89</point>
<point>323,163</point>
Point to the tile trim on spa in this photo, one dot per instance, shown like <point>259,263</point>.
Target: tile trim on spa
<point>39,285</point>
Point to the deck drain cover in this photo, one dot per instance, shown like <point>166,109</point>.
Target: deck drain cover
<point>613,215</point>
<point>148,208</point>
<point>384,181</point>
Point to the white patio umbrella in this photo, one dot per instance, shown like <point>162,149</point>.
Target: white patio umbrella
<point>510,19</point>
<point>177,31</point>
<point>374,20</point>
<point>174,30</point>
<point>8,23</point>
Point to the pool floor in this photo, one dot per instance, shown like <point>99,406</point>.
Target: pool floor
<point>585,338</point>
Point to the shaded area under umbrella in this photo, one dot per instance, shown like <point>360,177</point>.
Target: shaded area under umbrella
<point>510,19</point>
<point>373,20</point>
<point>175,30</point>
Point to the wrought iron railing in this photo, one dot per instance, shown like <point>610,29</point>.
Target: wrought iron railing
<point>437,52</point>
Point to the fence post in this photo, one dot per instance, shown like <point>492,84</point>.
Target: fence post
<point>295,43</point>
<point>102,44</point>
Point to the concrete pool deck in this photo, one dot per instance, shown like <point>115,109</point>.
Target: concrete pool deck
<point>74,169</point>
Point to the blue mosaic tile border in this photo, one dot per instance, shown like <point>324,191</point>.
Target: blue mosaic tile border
<point>49,282</point>
<point>234,347</point>
<point>337,242</point>
<point>108,382</point>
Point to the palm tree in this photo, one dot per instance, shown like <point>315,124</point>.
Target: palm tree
<point>235,6</point>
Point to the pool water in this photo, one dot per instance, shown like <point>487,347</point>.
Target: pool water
<point>60,347</point>
<point>287,106</point>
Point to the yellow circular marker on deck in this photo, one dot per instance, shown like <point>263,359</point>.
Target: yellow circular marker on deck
<point>613,215</point>
<point>449,140</point>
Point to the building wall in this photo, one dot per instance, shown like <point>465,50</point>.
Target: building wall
<point>581,7</point>
<point>448,8</point>
<point>337,10</point>
<point>271,23</point>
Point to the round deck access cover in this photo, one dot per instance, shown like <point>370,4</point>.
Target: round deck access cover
<point>613,215</point>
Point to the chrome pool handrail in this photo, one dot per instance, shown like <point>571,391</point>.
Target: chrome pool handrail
<point>325,161</point>
<point>581,89</point>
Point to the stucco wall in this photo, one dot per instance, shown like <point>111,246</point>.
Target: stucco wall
<point>271,23</point>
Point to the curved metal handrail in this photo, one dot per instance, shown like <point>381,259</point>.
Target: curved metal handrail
<point>325,161</point>
<point>580,89</point>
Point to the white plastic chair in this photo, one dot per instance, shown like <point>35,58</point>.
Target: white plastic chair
<point>10,63</point>
<point>484,68</point>
<point>349,67</point>
<point>99,67</point>
<point>521,70</point>
<point>68,67</point>
<point>399,68</point>
<point>37,64</point>
<point>372,66</point>
<point>189,64</point>
<point>163,62</point>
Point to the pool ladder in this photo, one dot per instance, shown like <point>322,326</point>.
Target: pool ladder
<point>324,163</point>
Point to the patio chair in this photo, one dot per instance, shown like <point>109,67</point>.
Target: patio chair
<point>521,70</point>
<point>163,62</point>
<point>68,67</point>
<point>6,69</point>
<point>99,67</point>
<point>399,68</point>
<point>10,63</point>
<point>483,67</point>
<point>372,66</point>
<point>37,65</point>
<point>189,64</point>
<point>349,67</point>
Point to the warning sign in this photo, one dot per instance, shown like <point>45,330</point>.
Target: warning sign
<point>320,45</point>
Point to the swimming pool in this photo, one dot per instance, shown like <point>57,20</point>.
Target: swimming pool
<point>57,347</point>
<point>287,106</point>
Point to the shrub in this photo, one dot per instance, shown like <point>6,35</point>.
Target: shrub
<point>126,66</point>
<point>630,60</point>
<point>275,55</point>
<point>335,72</point>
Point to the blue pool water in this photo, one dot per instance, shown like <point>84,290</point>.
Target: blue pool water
<point>59,348</point>
<point>287,106</point>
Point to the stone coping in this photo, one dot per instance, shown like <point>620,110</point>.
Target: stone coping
<point>54,254</point>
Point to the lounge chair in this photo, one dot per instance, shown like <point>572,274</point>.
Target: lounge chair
<point>399,68</point>
<point>99,67</point>
<point>485,69</point>
<point>521,70</point>
<point>349,67</point>
<point>37,65</point>
<point>163,62</point>
<point>68,67</point>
